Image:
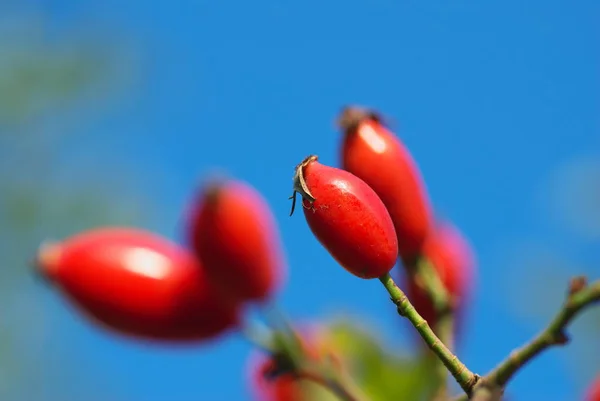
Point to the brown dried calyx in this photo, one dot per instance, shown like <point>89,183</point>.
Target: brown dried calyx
<point>300,183</point>
<point>351,116</point>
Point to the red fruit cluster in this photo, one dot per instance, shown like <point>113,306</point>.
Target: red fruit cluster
<point>141,284</point>
<point>376,208</point>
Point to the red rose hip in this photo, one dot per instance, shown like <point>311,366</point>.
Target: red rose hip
<point>234,233</point>
<point>347,217</point>
<point>373,153</point>
<point>593,392</point>
<point>450,255</point>
<point>137,283</point>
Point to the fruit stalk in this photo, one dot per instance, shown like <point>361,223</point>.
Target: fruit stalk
<point>426,274</point>
<point>463,376</point>
<point>444,324</point>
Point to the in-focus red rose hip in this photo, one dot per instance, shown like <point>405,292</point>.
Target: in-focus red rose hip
<point>373,153</point>
<point>348,218</point>
<point>137,283</point>
<point>451,256</point>
<point>234,233</point>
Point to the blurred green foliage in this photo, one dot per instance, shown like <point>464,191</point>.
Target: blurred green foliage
<point>379,371</point>
<point>42,80</point>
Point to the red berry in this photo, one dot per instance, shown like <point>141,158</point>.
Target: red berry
<point>348,218</point>
<point>593,393</point>
<point>234,233</point>
<point>286,386</point>
<point>450,254</point>
<point>373,153</point>
<point>137,283</point>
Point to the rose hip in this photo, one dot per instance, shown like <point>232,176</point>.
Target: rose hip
<point>347,218</point>
<point>233,232</point>
<point>450,255</point>
<point>137,283</point>
<point>373,153</point>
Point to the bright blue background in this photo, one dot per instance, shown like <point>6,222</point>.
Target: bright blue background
<point>489,96</point>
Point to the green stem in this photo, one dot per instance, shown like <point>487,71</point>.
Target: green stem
<point>444,327</point>
<point>427,276</point>
<point>464,377</point>
<point>579,297</point>
<point>553,334</point>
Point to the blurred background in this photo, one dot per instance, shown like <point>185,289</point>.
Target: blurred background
<point>112,112</point>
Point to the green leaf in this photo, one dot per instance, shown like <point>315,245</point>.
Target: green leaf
<point>382,373</point>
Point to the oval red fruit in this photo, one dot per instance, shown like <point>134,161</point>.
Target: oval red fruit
<point>450,255</point>
<point>137,283</point>
<point>377,156</point>
<point>234,233</point>
<point>348,218</point>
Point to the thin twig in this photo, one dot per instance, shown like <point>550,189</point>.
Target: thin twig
<point>465,378</point>
<point>580,296</point>
<point>426,276</point>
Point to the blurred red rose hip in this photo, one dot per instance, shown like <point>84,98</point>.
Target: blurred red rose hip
<point>373,153</point>
<point>451,256</point>
<point>593,392</point>
<point>348,218</point>
<point>281,388</point>
<point>232,230</point>
<point>137,283</point>
<point>286,387</point>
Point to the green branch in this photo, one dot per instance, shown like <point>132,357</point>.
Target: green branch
<point>465,378</point>
<point>425,276</point>
<point>580,296</point>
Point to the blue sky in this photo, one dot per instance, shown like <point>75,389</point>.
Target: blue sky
<point>492,98</point>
